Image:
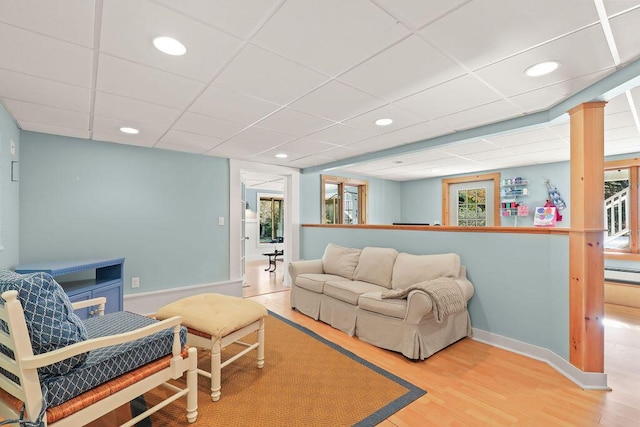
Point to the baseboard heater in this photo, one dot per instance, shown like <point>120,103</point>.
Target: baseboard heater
<point>622,275</point>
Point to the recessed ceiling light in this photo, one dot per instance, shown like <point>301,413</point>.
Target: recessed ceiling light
<point>542,68</point>
<point>282,155</point>
<point>130,131</point>
<point>384,122</point>
<point>169,45</point>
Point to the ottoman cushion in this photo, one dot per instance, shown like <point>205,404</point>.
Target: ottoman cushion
<point>215,314</point>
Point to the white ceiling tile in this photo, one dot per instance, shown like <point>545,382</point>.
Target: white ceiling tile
<point>232,106</point>
<point>107,129</point>
<point>621,133</point>
<point>35,113</point>
<point>269,156</point>
<point>404,69</point>
<point>417,13</point>
<point>620,103</point>
<point>182,148</point>
<point>72,23</point>
<point>294,122</point>
<point>469,148</point>
<point>624,29</point>
<point>376,143</point>
<point>532,135</point>
<point>121,77</point>
<point>129,27</point>
<point>127,109</point>
<point>30,53</point>
<point>548,96</point>
<point>205,125</point>
<point>259,139</point>
<point>54,130</point>
<point>401,119</point>
<point>337,101</point>
<point>238,17</point>
<point>455,95</point>
<point>617,6</point>
<point>621,146</point>
<point>36,90</point>
<point>307,145</point>
<point>341,152</point>
<point>549,156</point>
<point>267,76</point>
<point>618,120</point>
<point>484,114</point>
<point>310,161</point>
<point>581,53</point>
<point>178,138</point>
<point>341,134</point>
<point>532,147</point>
<point>496,29</point>
<point>323,34</point>
<point>415,133</point>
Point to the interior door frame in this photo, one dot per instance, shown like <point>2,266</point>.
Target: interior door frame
<point>447,182</point>
<point>291,213</point>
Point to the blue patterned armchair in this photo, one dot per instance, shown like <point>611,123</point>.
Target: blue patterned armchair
<point>57,370</point>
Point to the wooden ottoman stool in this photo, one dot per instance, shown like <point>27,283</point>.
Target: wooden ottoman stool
<point>214,321</point>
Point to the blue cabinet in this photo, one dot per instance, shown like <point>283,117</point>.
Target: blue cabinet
<point>106,280</point>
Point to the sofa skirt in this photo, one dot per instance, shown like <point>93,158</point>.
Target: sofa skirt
<point>339,314</point>
<point>414,341</point>
<point>306,302</point>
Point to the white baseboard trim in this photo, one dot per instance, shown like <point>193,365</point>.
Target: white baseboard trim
<point>585,380</point>
<point>146,303</point>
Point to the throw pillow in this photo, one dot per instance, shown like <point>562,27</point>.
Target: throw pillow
<point>376,266</point>
<point>49,316</point>
<point>340,261</point>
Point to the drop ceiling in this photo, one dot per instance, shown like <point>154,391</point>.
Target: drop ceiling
<point>308,78</point>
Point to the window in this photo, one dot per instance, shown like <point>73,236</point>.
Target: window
<point>271,219</point>
<point>344,200</point>
<point>472,208</point>
<point>621,206</point>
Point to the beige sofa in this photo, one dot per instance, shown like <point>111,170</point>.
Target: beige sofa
<point>347,287</point>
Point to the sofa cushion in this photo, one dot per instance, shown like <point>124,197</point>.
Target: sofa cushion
<point>315,282</point>
<point>410,269</point>
<point>349,290</point>
<point>376,266</point>
<point>340,261</point>
<point>372,301</point>
<point>49,316</point>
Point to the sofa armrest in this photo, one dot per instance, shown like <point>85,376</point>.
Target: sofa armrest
<point>305,267</point>
<point>418,305</point>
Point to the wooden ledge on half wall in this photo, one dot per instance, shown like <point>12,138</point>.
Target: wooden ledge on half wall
<point>514,230</point>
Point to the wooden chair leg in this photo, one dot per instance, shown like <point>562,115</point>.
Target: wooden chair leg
<point>215,369</point>
<point>261,344</point>
<point>192,385</point>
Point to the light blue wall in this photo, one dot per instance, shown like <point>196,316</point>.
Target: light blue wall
<point>384,199</point>
<point>159,209</point>
<point>9,193</point>
<point>421,199</point>
<point>521,281</point>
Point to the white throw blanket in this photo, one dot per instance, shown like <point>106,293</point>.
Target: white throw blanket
<point>444,292</point>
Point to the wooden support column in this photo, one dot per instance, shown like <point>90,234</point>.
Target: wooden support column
<point>586,246</point>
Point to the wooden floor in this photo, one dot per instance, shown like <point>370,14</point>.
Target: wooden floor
<point>474,384</point>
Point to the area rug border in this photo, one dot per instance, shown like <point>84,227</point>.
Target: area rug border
<point>414,392</point>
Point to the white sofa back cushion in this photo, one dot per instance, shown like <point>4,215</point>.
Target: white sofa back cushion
<point>376,266</point>
<point>410,269</point>
<point>340,261</point>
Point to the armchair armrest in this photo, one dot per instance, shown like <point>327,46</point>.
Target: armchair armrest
<point>305,267</point>
<point>99,301</point>
<point>44,359</point>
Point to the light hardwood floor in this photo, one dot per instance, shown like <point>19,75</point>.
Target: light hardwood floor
<point>470,383</point>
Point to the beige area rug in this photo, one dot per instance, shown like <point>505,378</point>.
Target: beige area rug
<point>306,381</point>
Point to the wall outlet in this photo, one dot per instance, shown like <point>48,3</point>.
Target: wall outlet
<point>12,148</point>
<point>135,282</point>
<point>220,220</point>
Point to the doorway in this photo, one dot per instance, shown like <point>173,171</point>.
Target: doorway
<point>247,182</point>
